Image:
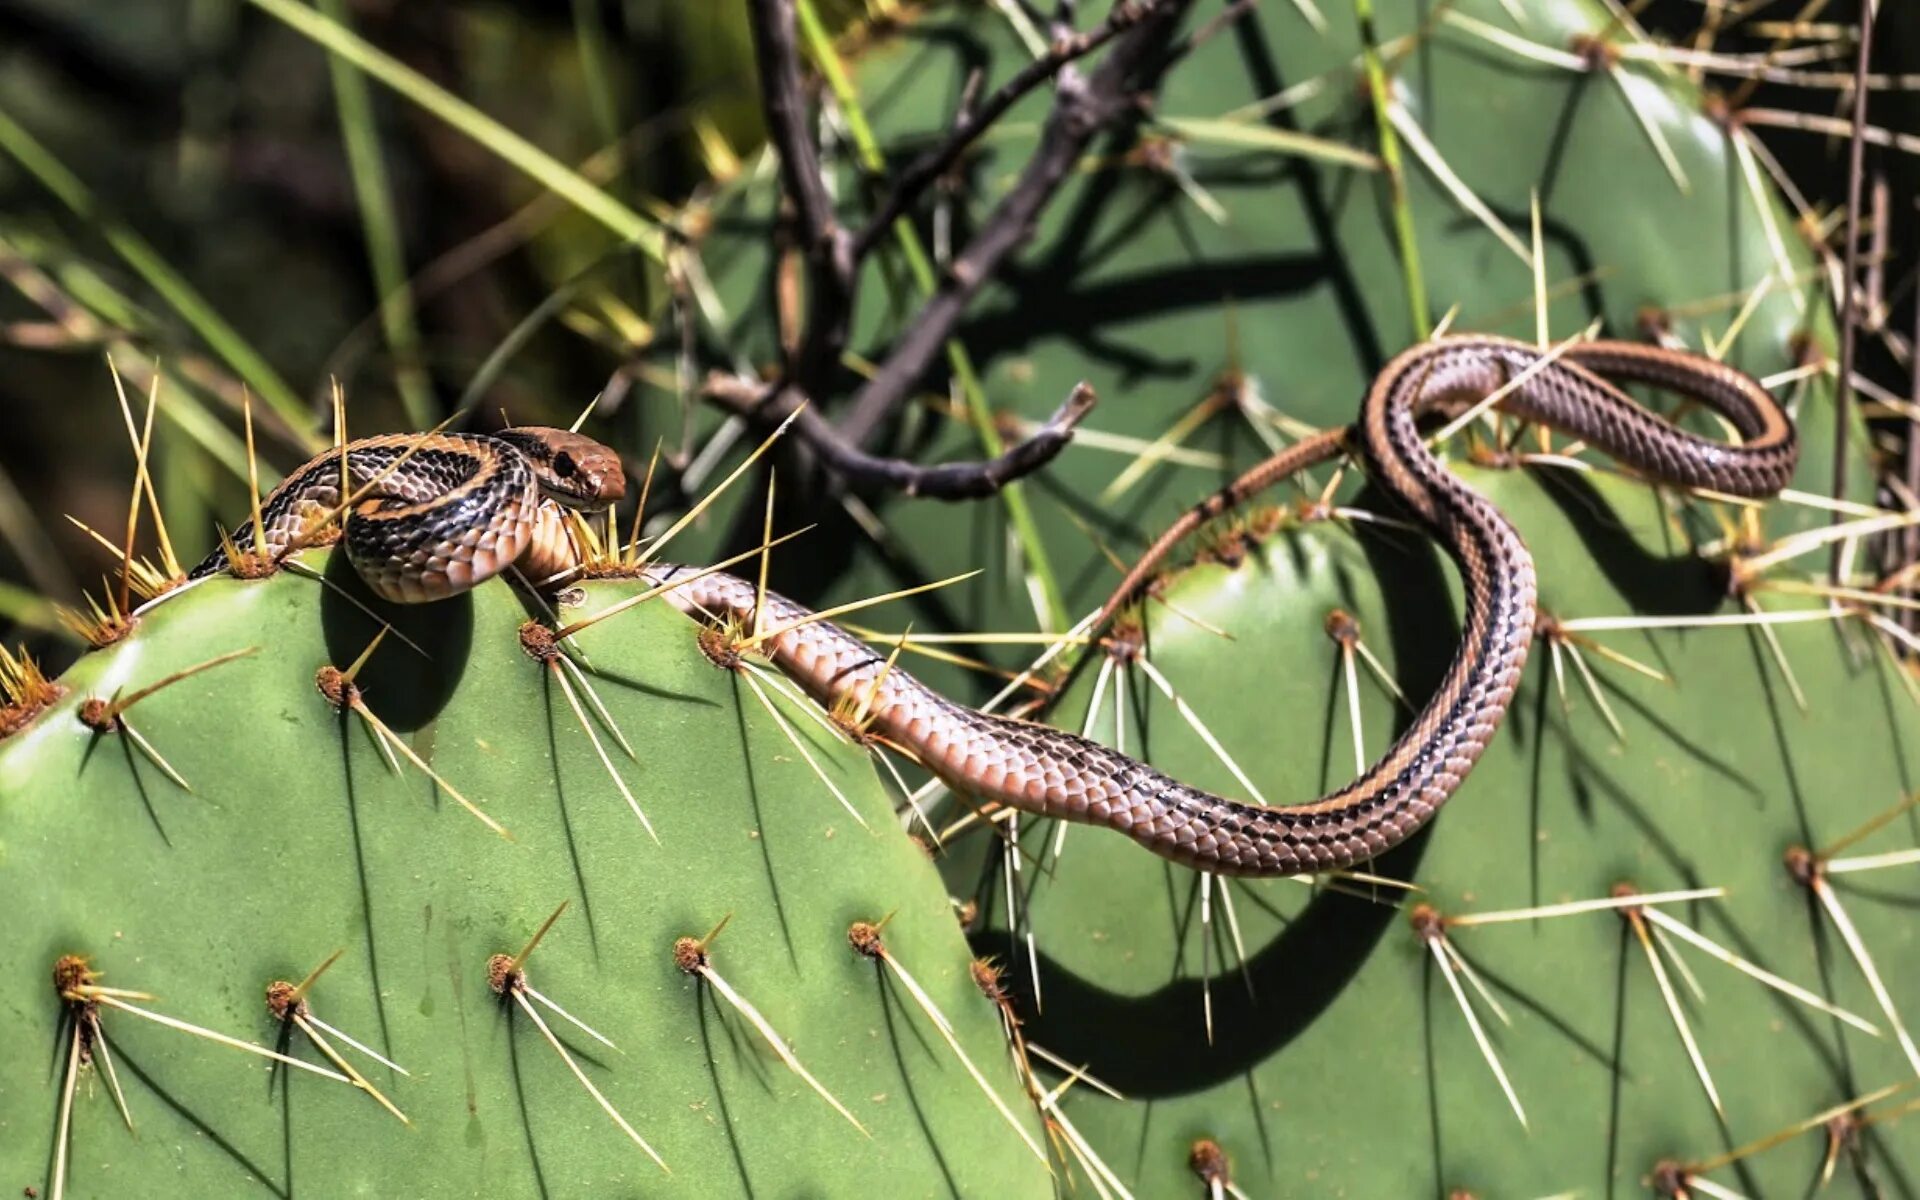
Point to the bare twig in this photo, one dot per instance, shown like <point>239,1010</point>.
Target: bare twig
<point>1066,48</point>
<point>827,247</point>
<point>942,481</point>
<point>1082,108</point>
<point>1235,10</point>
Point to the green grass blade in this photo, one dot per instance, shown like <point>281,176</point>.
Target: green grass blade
<point>181,296</point>
<point>1379,89</point>
<point>590,34</point>
<point>536,163</point>
<point>360,133</point>
<point>1245,135</point>
<point>27,608</point>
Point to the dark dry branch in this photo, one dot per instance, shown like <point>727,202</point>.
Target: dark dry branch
<point>1081,109</point>
<point>942,481</point>
<point>827,247</point>
<point>974,120</point>
<point>1138,31</point>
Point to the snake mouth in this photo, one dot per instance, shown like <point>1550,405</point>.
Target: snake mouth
<point>593,503</point>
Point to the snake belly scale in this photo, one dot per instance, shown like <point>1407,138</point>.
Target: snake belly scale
<point>471,510</point>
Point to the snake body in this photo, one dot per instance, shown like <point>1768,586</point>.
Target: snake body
<point>1039,769</point>
<point>436,514</point>
<point>1044,770</point>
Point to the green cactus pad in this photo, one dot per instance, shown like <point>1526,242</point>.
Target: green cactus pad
<point>298,840</point>
<point>1340,1063</point>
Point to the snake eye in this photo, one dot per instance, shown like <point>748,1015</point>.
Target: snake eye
<point>563,465</point>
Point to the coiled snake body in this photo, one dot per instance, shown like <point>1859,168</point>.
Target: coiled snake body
<point>440,513</point>
<point>1043,770</point>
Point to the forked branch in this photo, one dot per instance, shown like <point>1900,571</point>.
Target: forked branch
<point>1082,108</point>
<point>860,470</point>
<point>1138,32</point>
<point>914,181</point>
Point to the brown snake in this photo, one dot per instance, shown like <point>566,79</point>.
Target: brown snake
<point>435,514</point>
<point>1039,769</point>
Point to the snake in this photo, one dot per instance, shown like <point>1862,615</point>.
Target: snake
<point>442,523</point>
<point>429,516</point>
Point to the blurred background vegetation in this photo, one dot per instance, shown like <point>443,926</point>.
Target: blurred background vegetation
<point>194,183</point>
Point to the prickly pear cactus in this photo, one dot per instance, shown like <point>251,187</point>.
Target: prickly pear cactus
<point>1326,1039</point>
<point>1486,1012</point>
<point>1215,269</point>
<point>300,840</point>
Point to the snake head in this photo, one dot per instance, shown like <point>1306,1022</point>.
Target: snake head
<point>572,468</point>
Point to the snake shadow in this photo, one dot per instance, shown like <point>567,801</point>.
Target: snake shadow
<point>1678,583</point>
<point>708,1014</point>
<point>410,679</point>
<point>1309,962</point>
<point>1149,1044</point>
